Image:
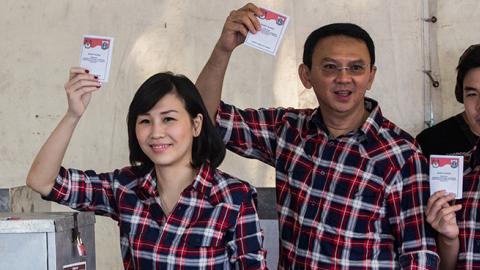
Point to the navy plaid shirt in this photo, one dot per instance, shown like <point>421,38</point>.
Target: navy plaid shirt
<point>468,218</point>
<point>213,226</point>
<point>352,202</point>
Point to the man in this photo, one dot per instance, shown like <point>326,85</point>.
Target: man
<point>351,186</point>
<point>458,242</point>
<point>458,134</point>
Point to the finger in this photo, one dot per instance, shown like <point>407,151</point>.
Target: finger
<point>442,215</point>
<point>81,80</point>
<point>451,209</point>
<point>77,70</point>
<point>240,29</point>
<point>450,218</point>
<point>252,8</point>
<point>246,18</point>
<point>80,76</point>
<point>253,13</point>
<point>449,198</point>
<point>436,203</point>
<point>80,84</point>
<point>83,91</point>
<point>434,197</point>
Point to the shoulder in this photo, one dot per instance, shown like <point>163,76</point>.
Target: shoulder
<point>394,145</point>
<point>229,189</point>
<point>394,136</point>
<point>447,126</point>
<point>126,176</point>
<point>127,171</point>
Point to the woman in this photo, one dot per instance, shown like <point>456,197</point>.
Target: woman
<point>174,208</point>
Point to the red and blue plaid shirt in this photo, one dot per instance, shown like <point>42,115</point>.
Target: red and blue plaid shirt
<point>352,202</point>
<point>213,226</point>
<point>468,218</point>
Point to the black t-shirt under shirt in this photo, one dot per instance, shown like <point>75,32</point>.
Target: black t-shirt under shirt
<point>451,136</point>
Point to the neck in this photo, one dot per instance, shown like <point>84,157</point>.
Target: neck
<point>338,124</point>
<point>171,181</point>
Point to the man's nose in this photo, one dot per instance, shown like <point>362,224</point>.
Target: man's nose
<point>343,75</point>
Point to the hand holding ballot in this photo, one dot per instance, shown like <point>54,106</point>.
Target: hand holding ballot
<point>238,24</point>
<point>273,26</point>
<point>441,215</point>
<point>446,185</point>
<point>260,28</point>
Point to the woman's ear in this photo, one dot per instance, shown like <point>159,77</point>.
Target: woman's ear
<point>197,125</point>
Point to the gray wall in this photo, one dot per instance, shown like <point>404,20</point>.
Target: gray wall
<point>42,38</point>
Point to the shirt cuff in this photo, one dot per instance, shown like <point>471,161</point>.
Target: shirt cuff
<point>420,260</point>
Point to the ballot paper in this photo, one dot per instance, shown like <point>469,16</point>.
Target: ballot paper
<point>446,173</point>
<point>96,55</point>
<point>273,25</point>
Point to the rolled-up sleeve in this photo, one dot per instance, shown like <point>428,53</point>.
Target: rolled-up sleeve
<point>407,201</point>
<point>85,191</point>
<point>247,244</point>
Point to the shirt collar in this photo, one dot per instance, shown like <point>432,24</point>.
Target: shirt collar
<point>369,129</point>
<point>373,123</point>
<point>202,182</point>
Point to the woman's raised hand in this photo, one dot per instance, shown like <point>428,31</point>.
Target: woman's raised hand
<point>79,90</point>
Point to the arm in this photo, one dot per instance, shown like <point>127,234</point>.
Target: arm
<point>247,245</point>
<point>442,218</point>
<point>210,80</point>
<point>407,200</point>
<point>46,164</point>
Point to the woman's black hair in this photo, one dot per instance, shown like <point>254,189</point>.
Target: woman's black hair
<point>206,146</point>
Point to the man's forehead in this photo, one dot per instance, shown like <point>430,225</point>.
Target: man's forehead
<point>342,46</point>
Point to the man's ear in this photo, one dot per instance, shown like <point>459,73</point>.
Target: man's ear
<point>371,77</point>
<point>304,74</point>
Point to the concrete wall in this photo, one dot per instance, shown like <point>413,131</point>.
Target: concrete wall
<point>42,39</point>
<point>457,29</point>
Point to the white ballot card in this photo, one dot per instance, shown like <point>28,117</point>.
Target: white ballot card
<point>273,25</point>
<point>446,173</point>
<point>96,55</point>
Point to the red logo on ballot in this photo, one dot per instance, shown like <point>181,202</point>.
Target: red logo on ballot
<point>94,42</point>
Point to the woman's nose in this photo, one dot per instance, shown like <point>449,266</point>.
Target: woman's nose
<point>158,130</point>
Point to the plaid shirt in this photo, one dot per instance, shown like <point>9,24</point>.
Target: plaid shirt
<point>468,218</point>
<point>213,226</point>
<point>352,202</point>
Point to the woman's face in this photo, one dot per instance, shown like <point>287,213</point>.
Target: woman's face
<point>165,133</point>
<point>471,99</point>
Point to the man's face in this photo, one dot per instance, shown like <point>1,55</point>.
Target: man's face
<point>471,99</point>
<point>340,75</point>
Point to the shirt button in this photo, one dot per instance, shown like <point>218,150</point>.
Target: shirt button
<point>331,143</point>
<point>322,172</point>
